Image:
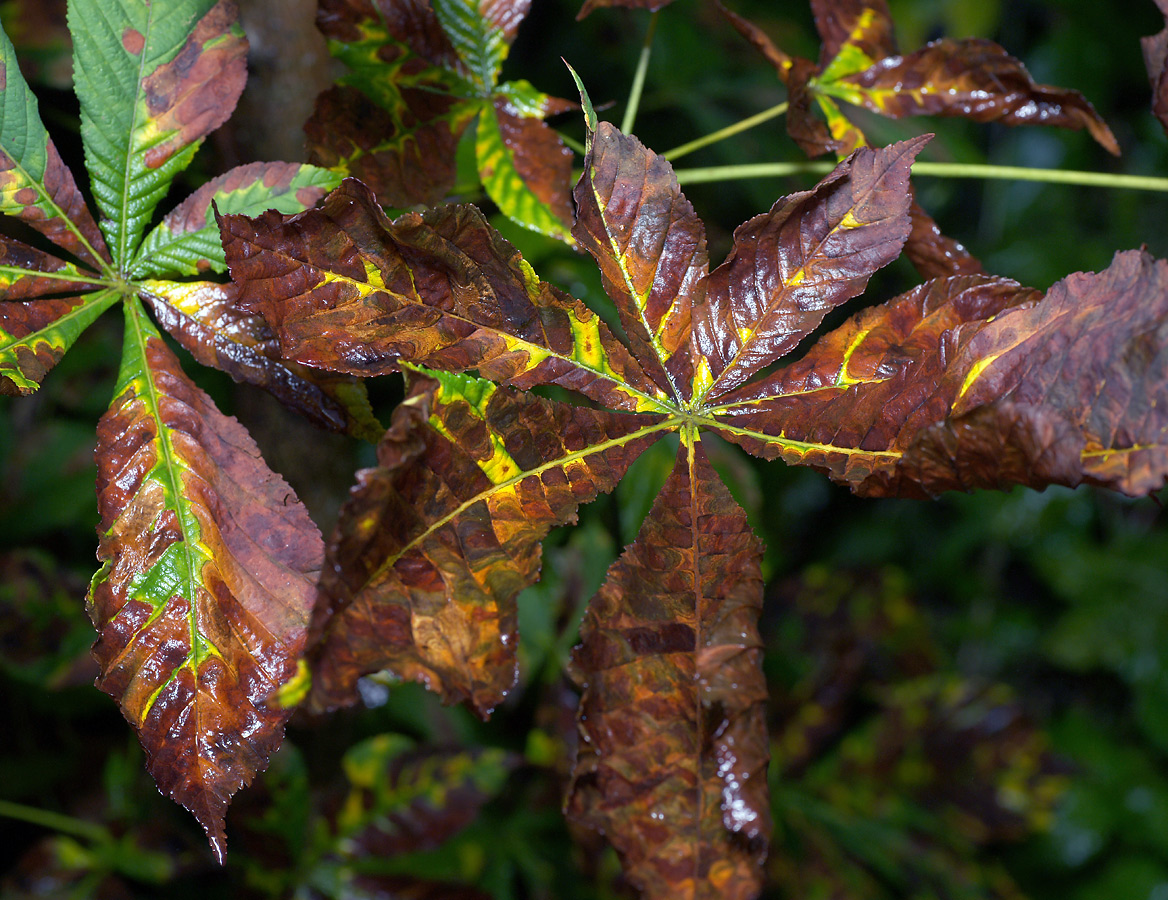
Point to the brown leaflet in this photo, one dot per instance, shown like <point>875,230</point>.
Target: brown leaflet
<point>346,290</point>
<point>412,22</point>
<point>805,128</point>
<point>813,251</point>
<point>933,254</point>
<point>18,264</point>
<point>1094,351</point>
<point>673,755</point>
<point>434,544</point>
<point>864,24</point>
<point>861,396</point>
<point>975,79</point>
<point>35,335</point>
<point>591,5</point>
<point>196,92</point>
<point>996,447</point>
<point>1155,49</point>
<point>204,318</point>
<point>62,194</point>
<point>650,247</point>
<point>413,163</point>
<point>762,43</point>
<point>209,570</point>
<point>540,157</point>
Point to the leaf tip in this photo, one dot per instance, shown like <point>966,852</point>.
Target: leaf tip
<point>585,102</point>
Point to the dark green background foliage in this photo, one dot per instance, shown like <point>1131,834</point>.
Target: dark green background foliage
<point>974,617</point>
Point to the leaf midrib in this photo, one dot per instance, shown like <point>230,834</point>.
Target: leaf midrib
<point>364,288</point>
<point>590,450</point>
<point>172,482</point>
<point>123,253</point>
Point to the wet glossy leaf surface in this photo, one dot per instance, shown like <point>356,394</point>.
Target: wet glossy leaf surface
<point>673,739</point>
<point>345,289</point>
<point>204,318</point>
<point>202,602</point>
<point>435,543</point>
<point>1082,373</point>
<point>921,394</point>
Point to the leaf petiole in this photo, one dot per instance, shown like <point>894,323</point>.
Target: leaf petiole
<point>935,169</point>
<point>638,87</point>
<point>729,131</point>
<point>55,821</point>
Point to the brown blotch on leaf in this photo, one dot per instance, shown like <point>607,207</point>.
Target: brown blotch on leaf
<point>133,41</point>
<point>196,92</point>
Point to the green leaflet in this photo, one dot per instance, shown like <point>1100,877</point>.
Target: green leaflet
<point>522,174</point>
<point>208,578</point>
<point>479,44</point>
<point>34,184</point>
<point>187,241</point>
<point>35,335</point>
<point>138,129</point>
<point>413,87</point>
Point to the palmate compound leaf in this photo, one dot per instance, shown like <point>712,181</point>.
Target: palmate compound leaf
<point>419,74</point>
<point>203,598</point>
<point>153,80</point>
<point>210,560</point>
<point>925,393</point>
<point>673,756</point>
<point>860,65</point>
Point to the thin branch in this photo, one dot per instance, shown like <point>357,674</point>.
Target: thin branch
<point>935,169</point>
<point>728,131</point>
<point>638,87</point>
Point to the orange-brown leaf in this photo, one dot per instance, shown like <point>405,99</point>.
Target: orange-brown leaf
<point>346,290</point>
<point>672,763</point>
<point>209,570</point>
<point>789,267</point>
<point>204,318</point>
<point>436,542</point>
<point>861,396</point>
<point>651,250</point>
